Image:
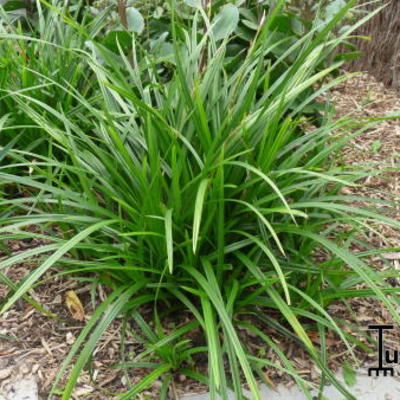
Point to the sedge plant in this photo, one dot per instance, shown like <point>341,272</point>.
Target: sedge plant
<point>198,196</point>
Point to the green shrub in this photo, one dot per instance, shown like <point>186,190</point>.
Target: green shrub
<point>192,193</point>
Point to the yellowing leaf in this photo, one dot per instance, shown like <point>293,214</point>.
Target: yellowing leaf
<point>74,305</point>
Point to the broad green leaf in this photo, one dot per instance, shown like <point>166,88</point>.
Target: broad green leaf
<point>333,8</point>
<point>135,20</point>
<point>13,5</point>
<point>225,22</point>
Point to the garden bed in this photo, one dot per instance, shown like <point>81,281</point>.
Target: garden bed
<point>31,343</point>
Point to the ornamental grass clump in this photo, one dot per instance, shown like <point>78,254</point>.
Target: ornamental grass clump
<point>193,192</point>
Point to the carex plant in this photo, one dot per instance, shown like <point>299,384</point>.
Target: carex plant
<point>34,47</point>
<point>197,197</point>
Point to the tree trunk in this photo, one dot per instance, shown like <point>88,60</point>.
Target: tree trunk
<point>382,53</point>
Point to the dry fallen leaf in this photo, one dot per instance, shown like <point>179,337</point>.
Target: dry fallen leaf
<point>391,256</point>
<point>5,373</point>
<point>82,391</point>
<point>70,338</point>
<point>270,382</point>
<point>74,305</point>
<point>315,338</point>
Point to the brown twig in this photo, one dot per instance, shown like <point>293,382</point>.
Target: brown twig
<point>122,13</point>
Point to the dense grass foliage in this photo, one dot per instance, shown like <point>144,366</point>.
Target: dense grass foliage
<point>188,190</point>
